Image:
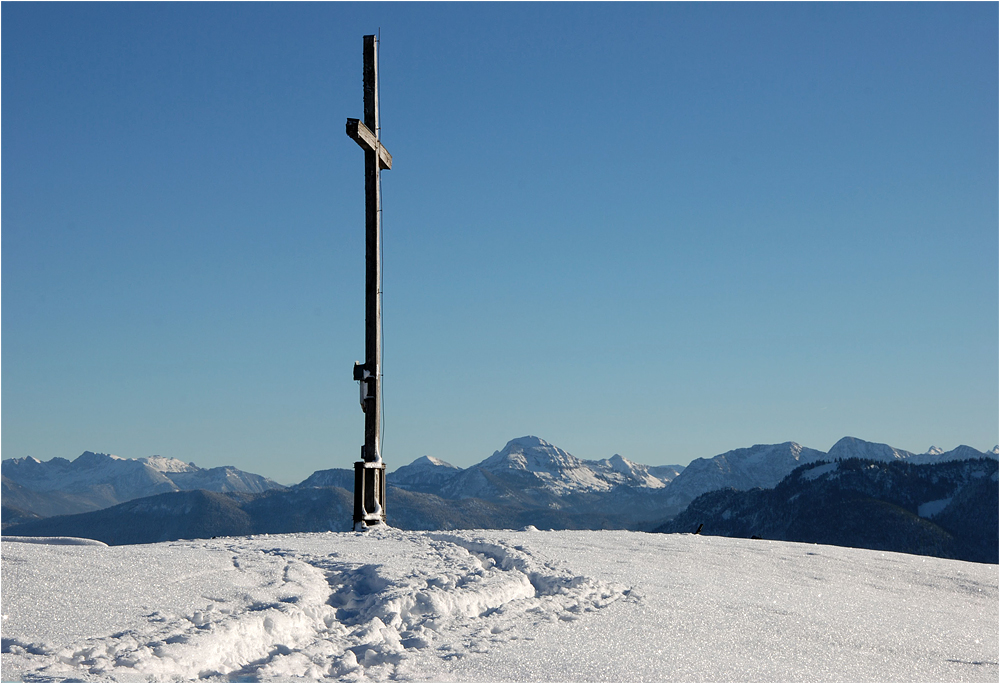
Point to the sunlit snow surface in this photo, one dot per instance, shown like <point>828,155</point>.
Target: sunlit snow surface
<point>493,606</point>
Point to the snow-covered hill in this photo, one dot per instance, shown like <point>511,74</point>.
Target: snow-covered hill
<point>93,481</point>
<point>493,606</point>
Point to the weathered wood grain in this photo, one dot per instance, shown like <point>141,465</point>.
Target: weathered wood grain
<point>366,139</point>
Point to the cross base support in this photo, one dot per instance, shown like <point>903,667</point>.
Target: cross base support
<point>369,493</point>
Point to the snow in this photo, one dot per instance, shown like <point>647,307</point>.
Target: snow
<point>559,470</point>
<point>553,469</point>
<point>819,471</point>
<point>105,479</point>
<point>959,453</point>
<point>166,464</point>
<point>88,469</point>
<point>762,465</point>
<point>433,461</point>
<point>635,474</point>
<point>493,606</point>
<point>932,508</point>
<point>57,541</point>
<point>852,447</point>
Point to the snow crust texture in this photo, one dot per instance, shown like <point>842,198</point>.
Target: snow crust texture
<point>320,607</point>
<point>493,606</point>
<point>54,541</point>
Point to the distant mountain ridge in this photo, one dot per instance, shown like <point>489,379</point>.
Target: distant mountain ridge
<point>93,481</point>
<point>529,481</point>
<point>531,464</point>
<point>531,471</point>
<point>947,509</point>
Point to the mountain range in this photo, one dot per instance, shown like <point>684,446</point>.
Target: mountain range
<point>947,509</point>
<point>528,482</point>
<point>94,481</point>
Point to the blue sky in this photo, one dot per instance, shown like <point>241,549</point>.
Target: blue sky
<point>659,230</point>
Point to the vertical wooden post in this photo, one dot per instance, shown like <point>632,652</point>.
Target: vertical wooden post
<point>369,480</point>
<point>373,262</point>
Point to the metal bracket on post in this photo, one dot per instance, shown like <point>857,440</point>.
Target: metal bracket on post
<point>369,493</point>
<point>365,379</point>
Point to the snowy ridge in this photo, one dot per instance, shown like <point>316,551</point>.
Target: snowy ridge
<point>221,479</point>
<point>164,464</point>
<point>959,453</point>
<point>128,478</point>
<point>620,470</point>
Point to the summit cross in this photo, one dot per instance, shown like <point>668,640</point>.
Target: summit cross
<point>369,472</point>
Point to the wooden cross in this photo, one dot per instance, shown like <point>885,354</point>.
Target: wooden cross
<point>369,472</point>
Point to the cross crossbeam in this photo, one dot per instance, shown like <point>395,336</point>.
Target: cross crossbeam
<point>360,134</point>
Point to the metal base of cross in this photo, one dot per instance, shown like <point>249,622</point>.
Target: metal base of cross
<point>369,494</point>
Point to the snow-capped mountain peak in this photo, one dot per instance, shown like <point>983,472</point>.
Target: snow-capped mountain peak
<point>531,464</point>
<point>532,454</point>
<point>852,447</point>
<point>89,458</point>
<point>634,474</point>
<point>424,473</point>
<point>432,462</point>
<point>762,465</point>
<point>165,464</point>
<point>554,468</point>
<point>620,464</point>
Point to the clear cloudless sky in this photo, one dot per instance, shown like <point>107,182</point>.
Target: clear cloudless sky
<point>659,230</point>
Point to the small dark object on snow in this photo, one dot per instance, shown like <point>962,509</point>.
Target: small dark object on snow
<point>698,531</point>
<point>754,536</point>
